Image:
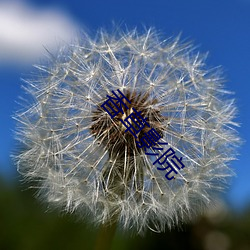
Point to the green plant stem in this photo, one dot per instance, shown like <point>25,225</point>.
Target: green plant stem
<point>105,236</point>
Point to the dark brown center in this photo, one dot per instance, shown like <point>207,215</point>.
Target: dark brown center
<point>113,133</point>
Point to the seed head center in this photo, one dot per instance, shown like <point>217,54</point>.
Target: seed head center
<point>113,133</point>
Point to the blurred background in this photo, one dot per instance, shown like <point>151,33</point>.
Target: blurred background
<point>29,28</point>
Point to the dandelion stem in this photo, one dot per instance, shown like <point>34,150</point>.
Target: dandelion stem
<point>105,236</point>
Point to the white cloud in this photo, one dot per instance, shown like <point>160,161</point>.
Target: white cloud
<point>25,31</point>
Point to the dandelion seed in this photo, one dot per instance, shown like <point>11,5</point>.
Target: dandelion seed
<point>85,160</point>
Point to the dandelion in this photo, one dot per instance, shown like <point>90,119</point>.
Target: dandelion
<point>83,160</point>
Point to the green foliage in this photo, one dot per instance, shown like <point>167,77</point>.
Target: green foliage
<point>26,226</point>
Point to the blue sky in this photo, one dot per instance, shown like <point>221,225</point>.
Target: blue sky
<point>221,27</point>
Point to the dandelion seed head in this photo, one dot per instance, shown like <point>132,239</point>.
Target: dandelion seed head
<point>83,161</point>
